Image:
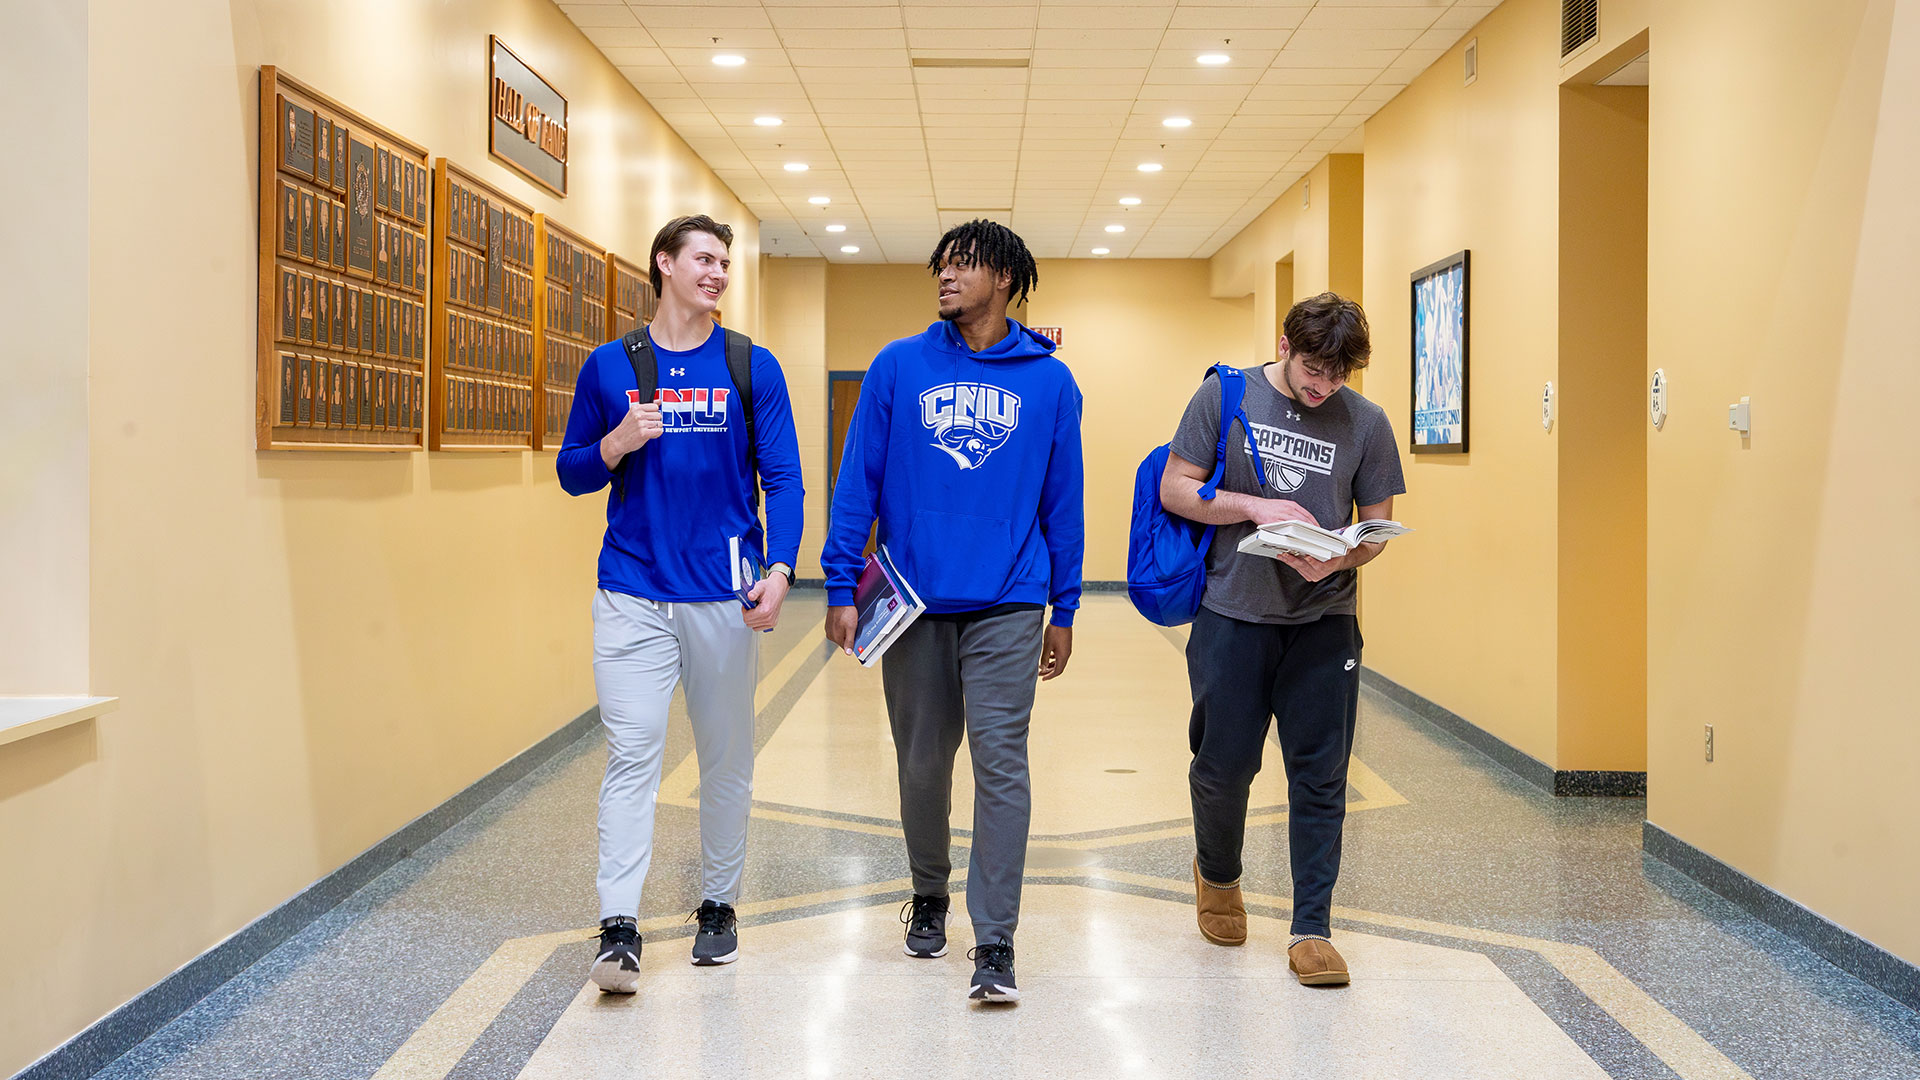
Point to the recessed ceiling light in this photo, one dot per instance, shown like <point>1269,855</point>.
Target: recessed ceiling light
<point>1130,200</point>
<point>836,228</point>
<point>849,249</point>
<point>767,121</point>
<point>1213,59</point>
<point>1101,251</point>
<point>819,200</point>
<point>796,166</point>
<point>1116,228</point>
<point>729,60</point>
<point>1176,122</point>
<point>1145,166</point>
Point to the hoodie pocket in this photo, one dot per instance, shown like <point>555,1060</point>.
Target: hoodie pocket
<point>959,559</point>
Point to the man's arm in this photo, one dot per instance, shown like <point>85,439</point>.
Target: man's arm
<point>1315,570</point>
<point>1180,494</point>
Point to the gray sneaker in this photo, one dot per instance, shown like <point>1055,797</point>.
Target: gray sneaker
<point>716,942</point>
<point>926,919</point>
<point>993,973</point>
<point>616,969</point>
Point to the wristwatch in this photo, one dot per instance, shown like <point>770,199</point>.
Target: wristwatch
<point>782,569</point>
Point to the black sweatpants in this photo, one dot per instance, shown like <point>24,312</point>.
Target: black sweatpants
<point>1307,677</point>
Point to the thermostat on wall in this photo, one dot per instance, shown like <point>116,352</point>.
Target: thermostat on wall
<point>1657,397</point>
<point>1546,407</point>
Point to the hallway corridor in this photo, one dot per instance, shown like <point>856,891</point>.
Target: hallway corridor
<point>1493,931</point>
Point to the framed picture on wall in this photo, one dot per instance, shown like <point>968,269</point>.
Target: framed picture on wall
<point>1440,342</point>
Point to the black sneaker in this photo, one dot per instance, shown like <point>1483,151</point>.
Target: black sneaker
<point>716,942</point>
<point>617,969</point>
<point>926,919</point>
<point>993,972</point>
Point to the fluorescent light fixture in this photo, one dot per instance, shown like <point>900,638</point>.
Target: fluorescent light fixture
<point>1176,122</point>
<point>1130,200</point>
<point>796,166</point>
<point>1212,59</point>
<point>836,228</point>
<point>729,60</point>
<point>767,121</point>
<point>849,249</point>
<point>1116,228</point>
<point>818,200</point>
<point>1101,251</point>
<point>1145,166</point>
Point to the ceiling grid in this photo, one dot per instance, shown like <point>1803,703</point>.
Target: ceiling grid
<point>910,115</point>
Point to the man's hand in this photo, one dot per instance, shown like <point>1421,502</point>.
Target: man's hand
<point>640,426</point>
<point>842,624</point>
<point>1055,648</point>
<point>1268,511</point>
<point>1315,570</point>
<point>767,596</point>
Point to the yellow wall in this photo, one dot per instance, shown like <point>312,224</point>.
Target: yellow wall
<point>1463,611</point>
<point>1301,250</point>
<point>1781,583</point>
<point>310,649</point>
<point>870,304</point>
<point>794,328</point>
<point>43,364</point>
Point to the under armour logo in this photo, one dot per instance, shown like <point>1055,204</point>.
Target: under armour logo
<point>679,371</point>
<point>1291,415</point>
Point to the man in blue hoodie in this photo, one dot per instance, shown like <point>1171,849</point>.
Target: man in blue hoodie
<point>683,465</point>
<point>966,447</point>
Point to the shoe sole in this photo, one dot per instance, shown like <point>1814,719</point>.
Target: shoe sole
<point>1325,978</point>
<point>911,951</point>
<point>996,995</point>
<point>716,961</point>
<point>612,980</point>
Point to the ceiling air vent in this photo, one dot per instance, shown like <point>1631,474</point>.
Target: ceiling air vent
<point>1579,24</point>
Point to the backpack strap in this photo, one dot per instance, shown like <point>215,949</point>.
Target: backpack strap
<point>1233,389</point>
<point>646,372</point>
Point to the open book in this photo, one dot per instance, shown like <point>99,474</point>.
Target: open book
<point>885,604</point>
<point>1314,542</point>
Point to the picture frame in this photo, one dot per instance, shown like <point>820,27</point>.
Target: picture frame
<point>339,235</point>
<point>1440,348</point>
<point>384,186</point>
<point>340,142</point>
<point>339,315</point>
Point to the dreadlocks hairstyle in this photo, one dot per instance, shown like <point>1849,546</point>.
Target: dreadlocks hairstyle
<point>995,247</point>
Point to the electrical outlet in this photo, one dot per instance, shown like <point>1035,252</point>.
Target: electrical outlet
<point>1709,742</point>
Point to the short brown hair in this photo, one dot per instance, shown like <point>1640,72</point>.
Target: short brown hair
<point>1330,329</point>
<point>673,236</point>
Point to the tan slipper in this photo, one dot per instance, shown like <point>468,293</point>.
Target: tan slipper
<point>1317,963</point>
<point>1223,915</point>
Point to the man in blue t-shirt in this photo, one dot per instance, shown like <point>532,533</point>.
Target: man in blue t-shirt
<point>965,446</point>
<point>684,484</point>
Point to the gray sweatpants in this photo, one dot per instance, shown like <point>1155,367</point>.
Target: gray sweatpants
<point>945,679</point>
<point>640,650</point>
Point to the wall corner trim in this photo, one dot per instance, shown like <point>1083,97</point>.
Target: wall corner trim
<point>1559,782</point>
<point>97,1045</point>
<point>1832,942</point>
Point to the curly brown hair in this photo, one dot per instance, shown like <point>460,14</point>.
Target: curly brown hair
<point>1330,330</point>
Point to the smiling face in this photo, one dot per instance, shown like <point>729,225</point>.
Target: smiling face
<point>968,287</point>
<point>1309,380</point>
<point>695,275</point>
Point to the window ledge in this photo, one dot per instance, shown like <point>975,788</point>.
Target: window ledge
<point>25,717</point>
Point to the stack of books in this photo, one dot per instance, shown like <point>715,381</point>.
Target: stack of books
<point>748,569</point>
<point>886,606</point>
<point>1314,542</point>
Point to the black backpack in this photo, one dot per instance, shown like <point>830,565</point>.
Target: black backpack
<point>646,375</point>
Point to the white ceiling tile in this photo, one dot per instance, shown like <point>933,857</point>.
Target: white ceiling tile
<point>1331,17</point>
<point>1351,40</point>
<point>843,38</point>
<point>715,18</point>
<point>1228,20</point>
<point>968,16</point>
<point>1139,16</point>
<point>830,18</point>
<point>585,15</point>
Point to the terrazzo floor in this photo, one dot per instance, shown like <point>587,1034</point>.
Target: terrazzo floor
<point>1493,930</point>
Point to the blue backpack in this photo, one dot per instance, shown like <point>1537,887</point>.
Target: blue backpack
<point>1167,555</point>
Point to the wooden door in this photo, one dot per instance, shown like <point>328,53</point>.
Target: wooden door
<point>843,393</point>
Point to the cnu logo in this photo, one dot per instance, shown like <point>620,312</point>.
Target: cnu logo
<point>969,420</point>
<point>691,409</point>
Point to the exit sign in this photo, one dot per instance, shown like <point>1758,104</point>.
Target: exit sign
<point>1051,333</point>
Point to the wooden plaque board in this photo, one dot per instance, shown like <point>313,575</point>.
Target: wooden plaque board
<point>343,277</point>
<point>630,299</point>
<point>572,320</point>
<point>484,300</point>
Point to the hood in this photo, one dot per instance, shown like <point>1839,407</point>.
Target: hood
<point>1019,344</point>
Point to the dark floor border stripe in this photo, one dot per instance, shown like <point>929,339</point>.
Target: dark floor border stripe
<point>1834,943</point>
<point>1564,782</point>
<point>158,1005</point>
<point>1103,586</point>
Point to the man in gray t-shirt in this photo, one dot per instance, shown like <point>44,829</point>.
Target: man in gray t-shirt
<point>1277,639</point>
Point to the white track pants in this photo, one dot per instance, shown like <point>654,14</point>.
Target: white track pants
<point>640,651</point>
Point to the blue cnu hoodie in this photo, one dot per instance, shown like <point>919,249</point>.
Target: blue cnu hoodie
<point>971,462</point>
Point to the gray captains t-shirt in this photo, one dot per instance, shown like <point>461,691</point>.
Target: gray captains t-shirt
<point>1328,460</point>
